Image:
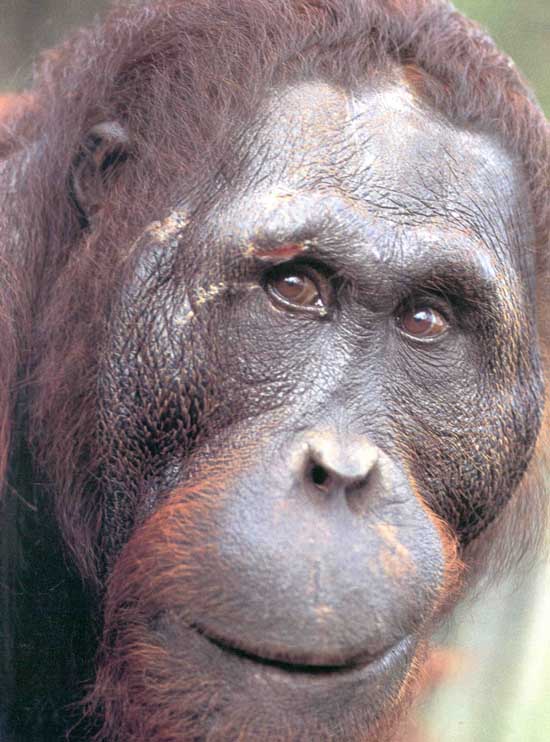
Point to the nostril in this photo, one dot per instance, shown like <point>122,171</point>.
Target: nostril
<point>324,465</point>
<point>319,476</point>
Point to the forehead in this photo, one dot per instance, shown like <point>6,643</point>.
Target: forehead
<point>385,132</point>
<point>385,152</point>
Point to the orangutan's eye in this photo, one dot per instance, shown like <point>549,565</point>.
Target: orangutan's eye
<point>299,288</point>
<point>422,323</point>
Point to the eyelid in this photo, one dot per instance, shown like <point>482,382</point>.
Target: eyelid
<point>443,304</point>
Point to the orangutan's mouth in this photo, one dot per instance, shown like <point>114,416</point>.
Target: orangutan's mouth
<point>292,662</point>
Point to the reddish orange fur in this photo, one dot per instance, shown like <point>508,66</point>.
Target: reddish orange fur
<point>126,70</point>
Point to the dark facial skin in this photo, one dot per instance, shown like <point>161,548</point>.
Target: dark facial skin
<point>319,397</point>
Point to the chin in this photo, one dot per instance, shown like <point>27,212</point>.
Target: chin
<point>181,684</point>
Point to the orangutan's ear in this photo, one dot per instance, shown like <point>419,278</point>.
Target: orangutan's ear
<point>104,149</point>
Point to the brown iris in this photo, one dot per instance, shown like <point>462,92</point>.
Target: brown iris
<point>298,289</point>
<point>423,323</point>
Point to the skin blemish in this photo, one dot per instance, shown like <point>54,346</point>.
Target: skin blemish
<point>282,253</point>
<point>274,206</point>
<point>323,611</point>
<point>395,568</point>
<point>274,199</point>
<point>166,232</point>
<point>181,321</point>
<point>204,296</point>
<point>395,558</point>
<point>249,250</point>
<point>169,228</point>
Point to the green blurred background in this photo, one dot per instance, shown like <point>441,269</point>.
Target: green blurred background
<point>502,692</point>
<point>522,27</point>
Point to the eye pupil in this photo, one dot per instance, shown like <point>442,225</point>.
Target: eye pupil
<point>422,320</point>
<point>292,288</point>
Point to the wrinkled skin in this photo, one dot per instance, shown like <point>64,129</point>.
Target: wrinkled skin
<point>319,470</point>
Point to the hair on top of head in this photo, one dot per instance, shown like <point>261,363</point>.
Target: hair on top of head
<point>172,72</point>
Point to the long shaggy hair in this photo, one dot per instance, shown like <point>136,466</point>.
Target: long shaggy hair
<point>185,77</point>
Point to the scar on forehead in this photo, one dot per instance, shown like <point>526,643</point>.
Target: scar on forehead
<point>275,203</point>
<point>279,253</point>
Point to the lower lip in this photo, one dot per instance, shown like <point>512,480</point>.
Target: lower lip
<point>299,673</point>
